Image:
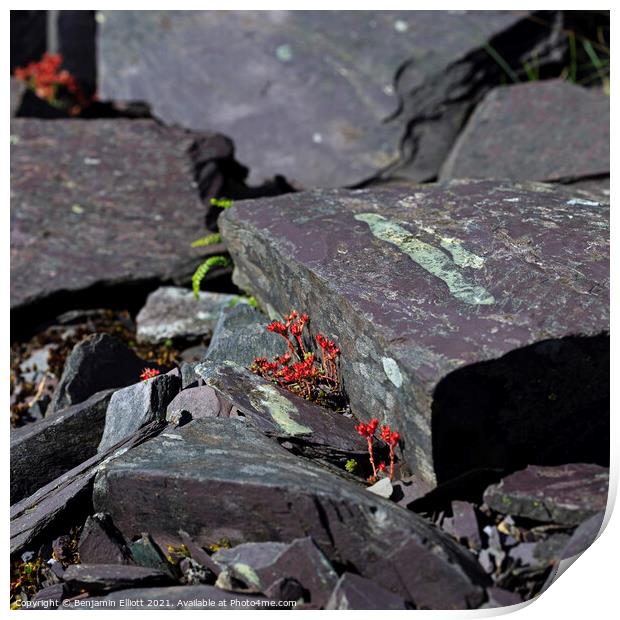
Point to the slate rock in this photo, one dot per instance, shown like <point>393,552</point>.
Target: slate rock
<point>499,597</point>
<point>328,96</point>
<point>262,565</point>
<point>101,543</point>
<point>566,494</point>
<point>107,577</point>
<point>50,597</point>
<point>101,202</point>
<point>463,524</point>
<point>355,592</point>
<point>585,534</point>
<point>446,300</point>
<point>177,597</point>
<point>409,489</point>
<point>549,130</point>
<point>173,312</point>
<point>241,335</point>
<point>281,413</point>
<point>99,362</point>
<point>232,467</point>
<point>198,402</point>
<point>43,450</point>
<point>137,405</point>
<point>18,89</point>
<point>147,553</point>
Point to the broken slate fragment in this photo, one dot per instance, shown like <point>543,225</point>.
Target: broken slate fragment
<point>137,405</point>
<point>197,402</point>
<point>355,592</point>
<point>234,466</point>
<point>173,312</point>
<point>458,309</point>
<point>101,543</point>
<point>547,130</point>
<point>261,565</point>
<point>463,524</point>
<point>43,450</point>
<point>566,494</point>
<point>99,362</point>
<point>240,336</point>
<point>583,536</point>
<point>107,577</point>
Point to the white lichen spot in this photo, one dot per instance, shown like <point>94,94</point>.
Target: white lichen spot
<point>585,203</point>
<point>392,371</point>
<point>284,53</point>
<point>512,199</point>
<point>401,26</point>
<point>317,138</point>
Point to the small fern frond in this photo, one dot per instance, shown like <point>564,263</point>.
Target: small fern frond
<point>208,240</point>
<point>204,268</point>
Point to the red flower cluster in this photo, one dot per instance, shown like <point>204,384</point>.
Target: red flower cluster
<point>49,82</point>
<point>299,370</point>
<point>390,437</point>
<point>149,373</point>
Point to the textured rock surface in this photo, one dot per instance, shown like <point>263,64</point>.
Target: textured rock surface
<point>240,335</point>
<point>323,98</point>
<point>445,301</point>
<point>174,312</point>
<point>101,543</point>
<point>583,536</point>
<point>107,577</point>
<point>137,405</point>
<point>567,494</point>
<point>355,592</point>
<point>261,565</point>
<point>535,131</point>
<point>48,448</point>
<point>198,402</point>
<point>233,467</point>
<point>100,202</point>
<point>97,363</point>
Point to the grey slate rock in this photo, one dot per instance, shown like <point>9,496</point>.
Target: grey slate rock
<point>270,563</point>
<point>241,335</point>
<point>101,543</point>
<point>147,553</point>
<point>99,362</point>
<point>548,130</point>
<point>198,402</point>
<point>50,597</point>
<point>108,577</point>
<point>585,534</point>
<point>43,450</point>
<point>565,494</point>
<point>499,597</point>
<point>463,524</point>
<point>328,96</point>
<point>355,592</point>
<point>434,294</point>
<point>98,203</point>
<point>173,312</point>
<point>137,405</point>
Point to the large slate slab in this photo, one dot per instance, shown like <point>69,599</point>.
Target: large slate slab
<point>355,592</point>
<point>568,494</point>
<point>218,478</point>
<point>174,312</point>
<point>101,202</point>
<point>536,131</point>
<point>44,450</point>
<point>458,308</point>
<point>107,577</point>
<point>322,97</point>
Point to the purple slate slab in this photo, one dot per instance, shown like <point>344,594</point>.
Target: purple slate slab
<point>101,201</point>
<point>458,308</point>
<point>355,592</point>
<point>535,131</point>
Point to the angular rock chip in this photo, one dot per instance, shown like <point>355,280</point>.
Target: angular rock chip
<point>548,130</point>
<point>328,96</point>
<point>261,565</point>
<point>98,362</point>
<point>44,450</point>
<point>566,494</point>
<point>174,312</point>
<point>199,402</point>
<point>240,336</point>
<point>471,316</point>
<point>583,536</point>
<point>137,405</point>
<point>463,524</point>
<point>107,577</point>
<point>50,597</point>
<point>102,202</point>
<point>355,592</point>
<point>281,413</point>
<point>499,597</point>
<point>101,543</point>
<point>204,477</point>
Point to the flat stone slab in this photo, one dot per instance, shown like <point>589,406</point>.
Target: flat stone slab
<point>173,312</point>
<point>547,130</point>
<point>220,478</point>
<point>44,450</point>
<point>313,95</point>
<point>107,577</point>
<point>355,592</point>
<point>101,202</point>
<point>567,494</point>
<point>446,300</point>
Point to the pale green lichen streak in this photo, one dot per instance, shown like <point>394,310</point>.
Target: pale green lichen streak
<point>461,256</point>
<point>430,258</point>
<point>267,398</point>
<point>247,573</point>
